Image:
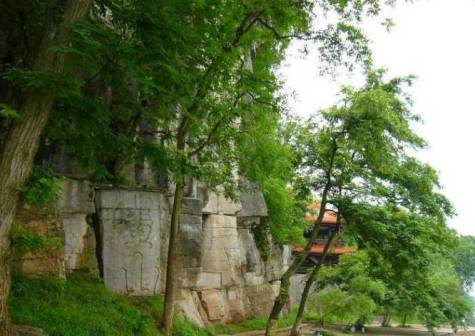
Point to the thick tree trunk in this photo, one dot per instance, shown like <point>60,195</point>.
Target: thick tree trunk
<point>308,285</point>
<point>172,259</point>
<point>21,144</point>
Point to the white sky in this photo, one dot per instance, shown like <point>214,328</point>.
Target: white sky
<point>434,40</point>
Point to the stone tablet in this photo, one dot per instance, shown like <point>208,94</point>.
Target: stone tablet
<point>131,222</point>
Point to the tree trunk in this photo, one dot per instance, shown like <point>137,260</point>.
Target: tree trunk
<point>404,320</point>
<point>172,258</point>
<point>308,285</point>
<point>21,144</point>
<point>283,295</point>
<point>386,318</point>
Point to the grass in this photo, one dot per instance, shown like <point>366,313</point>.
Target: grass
<point>81,306</point>
<point>153,307</point>
<point>255,324</point>
<point>76,307</point>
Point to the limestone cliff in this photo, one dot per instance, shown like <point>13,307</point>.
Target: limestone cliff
<point>122,234</point>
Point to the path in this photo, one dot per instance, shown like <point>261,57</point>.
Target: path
<point>417,330</point>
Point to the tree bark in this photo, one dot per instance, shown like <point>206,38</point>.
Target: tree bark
<point>308,285</point>
<point>21,144</point>
<point>283,295</point>
<point>404,320</point>
<point>172,259</point>
<point>386,318</point>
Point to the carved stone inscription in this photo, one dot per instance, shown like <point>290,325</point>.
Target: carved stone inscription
<point>131,223</point>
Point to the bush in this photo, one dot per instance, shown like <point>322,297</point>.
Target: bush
<point>42,189</point>
<point>24,240</point>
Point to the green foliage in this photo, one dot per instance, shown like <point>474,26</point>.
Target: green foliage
<point>269,161</point>
<point>7,112</point>
<point>464,260</point>
<point>361,152</point>
<point>261,234</point>
<point>24,240</point>
<point>447,300</point>
<point>347,292</point>
<point>42,189</point>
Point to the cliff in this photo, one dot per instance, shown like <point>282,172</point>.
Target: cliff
<point>121,234</point>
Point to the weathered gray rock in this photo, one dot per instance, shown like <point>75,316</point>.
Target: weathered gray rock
<point>189,303</point>
<point>252,200</point>
<point>77,197</point>
<point>209,280</point>
<point>217,203</point>
<point>297,284</point>
<point>251,257</point>
<point>222,249</point>
<point>214,303</point>
<point>75,205</point>
<point>76,230</point>
<point>131,222</point>
<point>192,206</point>
<point>221,275</point>
<point>261,298</point>
<point>191,240</point>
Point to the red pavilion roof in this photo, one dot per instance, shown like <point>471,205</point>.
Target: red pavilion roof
<point>329,218</point>
<point>318,249</point>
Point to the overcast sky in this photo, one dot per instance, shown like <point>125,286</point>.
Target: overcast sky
<point>434,40</point>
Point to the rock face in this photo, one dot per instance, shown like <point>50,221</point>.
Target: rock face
<point>39,262</point>
<point>297,285</point>
<point>224,278</point>
<point>76,205</point>
<point>131,223</point>
<point>123,234</point>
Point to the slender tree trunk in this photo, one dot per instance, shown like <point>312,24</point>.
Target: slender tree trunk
<point>283,295</point>
<point>404,320</point>
<point>386,318</point>
<point>172,258</point>
<point>169,304</point>
<point>308,285</point>
<point>21,144</point>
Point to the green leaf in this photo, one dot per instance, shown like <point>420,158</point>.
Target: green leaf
<point>8,112</point>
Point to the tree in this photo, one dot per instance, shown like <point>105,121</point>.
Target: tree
<point>355,156</point>
<point>31,103</point>
<point>464,260</point>
<point>409,252</point>
<point>347,292</point>
<point>179,68</point>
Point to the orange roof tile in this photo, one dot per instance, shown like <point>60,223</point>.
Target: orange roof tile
<point>318,249</point>
<point>330,217</point>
